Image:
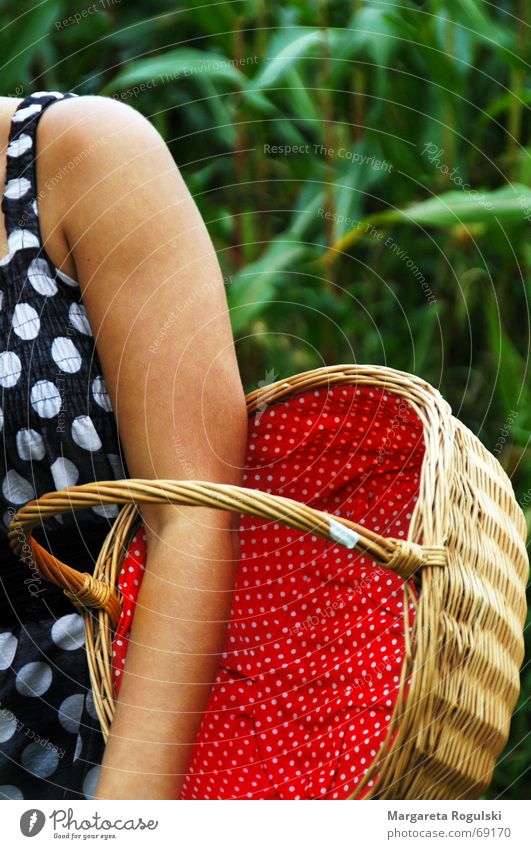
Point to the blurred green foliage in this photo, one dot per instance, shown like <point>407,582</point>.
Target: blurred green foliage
<point>363,169</point>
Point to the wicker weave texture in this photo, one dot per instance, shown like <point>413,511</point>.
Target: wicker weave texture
<point>466,547</point>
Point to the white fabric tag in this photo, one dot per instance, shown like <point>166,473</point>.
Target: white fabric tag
<point>343,535</point>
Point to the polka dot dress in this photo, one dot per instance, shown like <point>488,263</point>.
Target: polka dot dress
<point>57,430</point>
<point>315,645</point>
<point>57,424</point>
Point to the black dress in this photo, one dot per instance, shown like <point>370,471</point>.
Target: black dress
<point>57,429</point>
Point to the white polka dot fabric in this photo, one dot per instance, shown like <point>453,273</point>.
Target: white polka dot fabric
<point>57,429</point>
<point>50,742</point>
<point>310,672</point>
<point>57,423</point>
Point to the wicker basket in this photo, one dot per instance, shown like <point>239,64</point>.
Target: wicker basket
<point>465,549</point>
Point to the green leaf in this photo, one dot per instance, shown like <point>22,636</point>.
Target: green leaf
<point>373,32</point>
<point>20,40</point>
<point>225,129</point>
<point>469,14</point>
<point>253,287</point>
<point>504,103</point>
<point>305,215</point>
<point>507,205</point>
<point>301,102</point>
<point>286,50</point>
<point>184,63</point>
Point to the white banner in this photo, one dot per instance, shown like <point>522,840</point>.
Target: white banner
<point>266,825</point>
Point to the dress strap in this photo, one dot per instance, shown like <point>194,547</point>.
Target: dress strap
<point>19,199</point>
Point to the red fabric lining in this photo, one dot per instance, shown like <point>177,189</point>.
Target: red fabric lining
<point>309,675</point>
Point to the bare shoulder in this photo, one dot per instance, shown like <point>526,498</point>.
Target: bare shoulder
<point>93,131</point>
<point>87,146</point>
<point>102,155</point>
<point>92,116</point>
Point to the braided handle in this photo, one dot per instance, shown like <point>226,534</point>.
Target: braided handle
<point>399,555</point>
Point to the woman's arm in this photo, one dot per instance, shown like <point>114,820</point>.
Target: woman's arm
<point>155,298</point>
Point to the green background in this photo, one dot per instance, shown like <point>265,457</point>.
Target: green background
<point>397,231</point>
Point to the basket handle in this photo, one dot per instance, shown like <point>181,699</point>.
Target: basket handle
<point>399,555</point>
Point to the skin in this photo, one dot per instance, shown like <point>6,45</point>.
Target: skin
<point>123,223</point>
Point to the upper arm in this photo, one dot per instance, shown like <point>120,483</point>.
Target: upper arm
<point>154,295</point>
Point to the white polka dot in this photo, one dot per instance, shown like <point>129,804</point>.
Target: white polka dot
<point>9,791</point>
<point>57,94</point>
<point>85,434</point>
<point>26,322</point>
<point>40,278</point>
<point>68,632</point>
<point>17,489</point>
<point>17,188</point>
<point>8,725</point>
<point>30,444</point>
<point>8,648</point>
<point>108,511</point>
<point>33,679</point>
<point>45,399</point>
<point>91,781</point>
<point>65,473</point>
<point>19,145</point>
<point>79,747</point>
<point>20,239</point>
<point>62,275</point>
<point>77,315</point>
<point>40,761</point>
<point>26,112</point>
<point>117,466</point>
<point>70,711</point>
<point>89,703</point>
<point>65,354</point>
<point>101,394</point>
<point>10,368</point>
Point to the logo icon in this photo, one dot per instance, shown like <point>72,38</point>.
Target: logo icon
<point>263,405</point>
<point>31,822</point>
